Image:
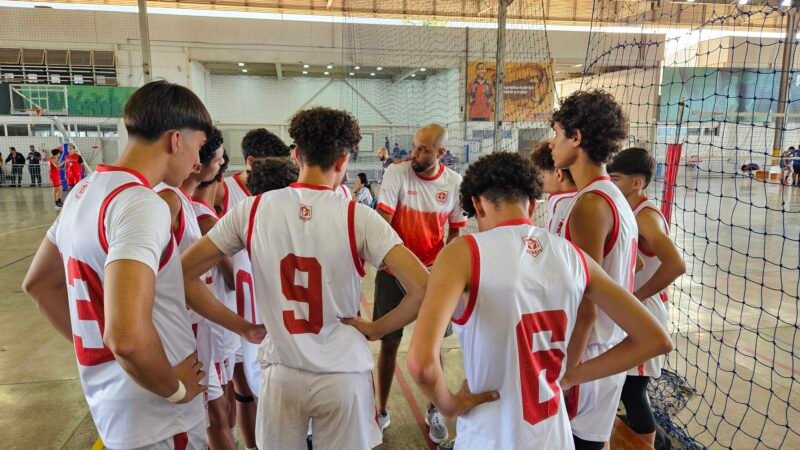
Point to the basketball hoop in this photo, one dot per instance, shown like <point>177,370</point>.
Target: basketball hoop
<point>38,112</point>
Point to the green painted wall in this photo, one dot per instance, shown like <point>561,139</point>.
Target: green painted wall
<point>97,101</point>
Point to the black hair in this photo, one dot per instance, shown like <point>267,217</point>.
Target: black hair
<point>55,151</point>
<point>634,161</point>
<point>268,174</point>
<point>213,142</point>
<point>363,177</point>
<point>160,106</point>
<point>542,158</point>
<point>500,176</point>
<point>600,120</point>
<point>324,134</point>
<point>222,168</point>
<point>262,143</point>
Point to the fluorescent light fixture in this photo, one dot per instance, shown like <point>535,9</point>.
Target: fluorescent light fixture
<point>305,72</point>
<point>357,67</point>
<point>330,66</point>
<point>372,74</point>
<point>380,68</point>
<point>352,74</point>
<point>241,64</point>
<point>422,69</point>
<point>326,73</point>
<point>413,74</point>
<point>244,70</point>
<point>578,65</point>
<point>742,2</point>
<point>305,66</point>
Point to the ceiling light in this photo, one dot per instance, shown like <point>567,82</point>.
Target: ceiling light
<point>305,66</point>
<point>786,3</point>
<point>330,66</point>
<point>352,74</point>
<point>690,1</point>
<point>742,2</point>
<point>357,67</point>
<point>372,74</point>
<point>413,74</point>
<point>578,65</point>
<point>305,72</point>
<point>423,69</point>
<point>327,73</point>
<point>241,64</point>
<point>558,71</point>
<point>380,68</point>
<point>244,70</point>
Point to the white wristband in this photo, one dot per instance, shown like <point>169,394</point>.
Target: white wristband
<point>179,394</point>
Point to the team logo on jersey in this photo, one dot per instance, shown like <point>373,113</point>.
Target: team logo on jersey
<point>83,189</point>
<point>441,197</point>
<point>532,246</point>
<point>305,212</point>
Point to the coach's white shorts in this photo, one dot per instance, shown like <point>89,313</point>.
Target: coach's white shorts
<point>597,402</point>
<point>194,439</point>
<point>652,367</point>
<point>225,369</point>
<point>342,406</point>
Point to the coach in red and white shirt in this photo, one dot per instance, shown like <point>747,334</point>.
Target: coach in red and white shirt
<point>419,197</point>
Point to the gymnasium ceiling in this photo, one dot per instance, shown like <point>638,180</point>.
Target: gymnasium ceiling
<point>672,13</point>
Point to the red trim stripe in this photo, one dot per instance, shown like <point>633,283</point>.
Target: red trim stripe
<point>251,223</point>
<point>571,401</point>
<point>225,197</point>
<point>101,220</point>
<point>241,185</point>
<point>180,441</point>
<point>475,280</point>
<point>434,177</point>
<point>514,222</point>
<point>199,201</point>
<point>615,231</point>
<point>553,194</point>
<point>203,217</point>
<point>167,253</point>
<point>108,168</point>
<point>386,208</point>
<point>585,265</point>
<point>181,225</point>
<point>641,369</point>
<point>315,187</point>
<point>351,234</point>
<point>459,224</point>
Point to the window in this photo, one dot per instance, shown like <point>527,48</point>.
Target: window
<point>85,131</point>
<point>17,129</point>
<point>108,131</point>
<point>2,132</point>
<point>42,130</point>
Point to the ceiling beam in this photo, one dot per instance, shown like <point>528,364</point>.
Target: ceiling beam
<point>402,75</point>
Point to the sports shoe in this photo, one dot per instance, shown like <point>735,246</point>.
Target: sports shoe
<point>449,444</point>
<point>383,420</point>
<point>438,427</point>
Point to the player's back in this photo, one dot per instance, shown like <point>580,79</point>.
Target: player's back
<point>558,204</point>
<point>125,414</point>
<point>308,276</point>
<point>525,291</point>
<point>619,253</point>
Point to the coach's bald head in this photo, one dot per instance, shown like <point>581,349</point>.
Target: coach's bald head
<point>429,146</point>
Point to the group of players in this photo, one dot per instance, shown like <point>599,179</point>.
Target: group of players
<point>187,292</point>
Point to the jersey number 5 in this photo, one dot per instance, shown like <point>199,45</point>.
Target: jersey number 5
<point>532,363</point>
<point>88,320</point>
<point>310,294</point>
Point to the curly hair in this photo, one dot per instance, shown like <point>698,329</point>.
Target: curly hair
<point>500,176</point>
<point>634,161</point>
<point>323,134</point>
<point>213,142</point>
<point>268,174</point>
<point>600,120</point>
<point>542,158</point>
<point>222,168</point>
<point>261,143</point>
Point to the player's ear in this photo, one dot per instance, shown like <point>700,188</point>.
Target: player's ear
<point>559,175</point>
<point>531,207</point>
<point>577,138</point>
<point>476,203</point>
<point>249,161</point>
<point>296,156</point>
<point>341,162</point>
<point>173,141</point>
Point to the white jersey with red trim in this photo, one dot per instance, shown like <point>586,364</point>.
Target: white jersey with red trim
<point>619,254</point>
<point>657,304</point>
<point>128,218</point>
<point>530,282</point>
<point>344,191</point>
<point>557,207</point>
<point>307,246</point>
<point>420,207</point>
<point>188,228</point>
<point>224,342</point>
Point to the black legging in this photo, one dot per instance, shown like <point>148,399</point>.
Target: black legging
<point>637,404</point>
<point>580,444</point>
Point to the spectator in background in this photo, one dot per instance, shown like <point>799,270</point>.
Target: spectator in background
<point>386,143</point>
<point>55,178</point>
<point>17,162</point>
<point>448,159</point>
<point>396,151</point>
<point>34,169</point>
<point>796,167</point>
<point>354,154</point>
<point>386,161</point>
<point>786,165</point>
<point>74,167</point>
<point>362,190</point>
<point>750,168</point>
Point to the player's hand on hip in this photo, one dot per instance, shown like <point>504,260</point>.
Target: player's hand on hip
<point>368,329</point>
<point>254,334</point>
<point>464,400</point>
<point>190,373</point>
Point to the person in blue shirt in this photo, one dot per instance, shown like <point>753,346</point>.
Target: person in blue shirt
<point>786,165</point>
<point>796,167</point>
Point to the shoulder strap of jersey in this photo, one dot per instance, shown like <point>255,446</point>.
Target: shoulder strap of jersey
<point>351,235</point>
<point>251,222</point>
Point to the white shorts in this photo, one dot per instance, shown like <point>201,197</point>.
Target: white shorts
<point>225,369</point>
<point>652,367</point>
<point>205,355</point>
<point>597,402</point>
<point>194,439</point>
<point>239,354</point>
<point>251,366</point>
<point>342,406</point>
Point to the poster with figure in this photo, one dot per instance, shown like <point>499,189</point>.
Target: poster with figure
<point>527,94</point>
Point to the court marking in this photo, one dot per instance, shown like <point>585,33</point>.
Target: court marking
<point>98,445</point>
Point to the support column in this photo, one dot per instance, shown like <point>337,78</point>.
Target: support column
<point>144,35</point>
<point>786,69</point>
<point>500,71</point>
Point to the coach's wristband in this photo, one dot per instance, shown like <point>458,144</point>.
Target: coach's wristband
<point>179,395</point>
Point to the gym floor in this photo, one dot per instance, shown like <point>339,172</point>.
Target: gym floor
<point>738,371</point>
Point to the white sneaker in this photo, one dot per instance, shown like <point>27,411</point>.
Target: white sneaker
<point>438,428</point>
<point>383,420</point>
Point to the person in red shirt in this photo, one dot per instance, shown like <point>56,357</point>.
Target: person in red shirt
<point>74,162</point>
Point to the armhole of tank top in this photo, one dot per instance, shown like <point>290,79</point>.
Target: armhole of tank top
<point>224,198</point>
<point>168,252</point>
<point>181,225</point>
<point>584,264</point>
<point>251,223</point>
<point>615,229</point>
<point>474,283</point>
<point>351,236</point>
<point>666,230</point>
<point>101,218</point>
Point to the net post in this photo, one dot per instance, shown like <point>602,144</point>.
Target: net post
<point>144,31</point>
<point>786,68</point>
<point>499,82</point>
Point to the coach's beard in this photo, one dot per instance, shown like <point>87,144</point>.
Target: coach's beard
<point>417,168</point>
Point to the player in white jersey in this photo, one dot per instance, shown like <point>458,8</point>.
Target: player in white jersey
<point>308,245</point>
<point>115,288</point>
<point>588,128</point>
<point>631,170</point>
<point>257,143</point>
<point>558,184</point>
<point>513,291</point>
